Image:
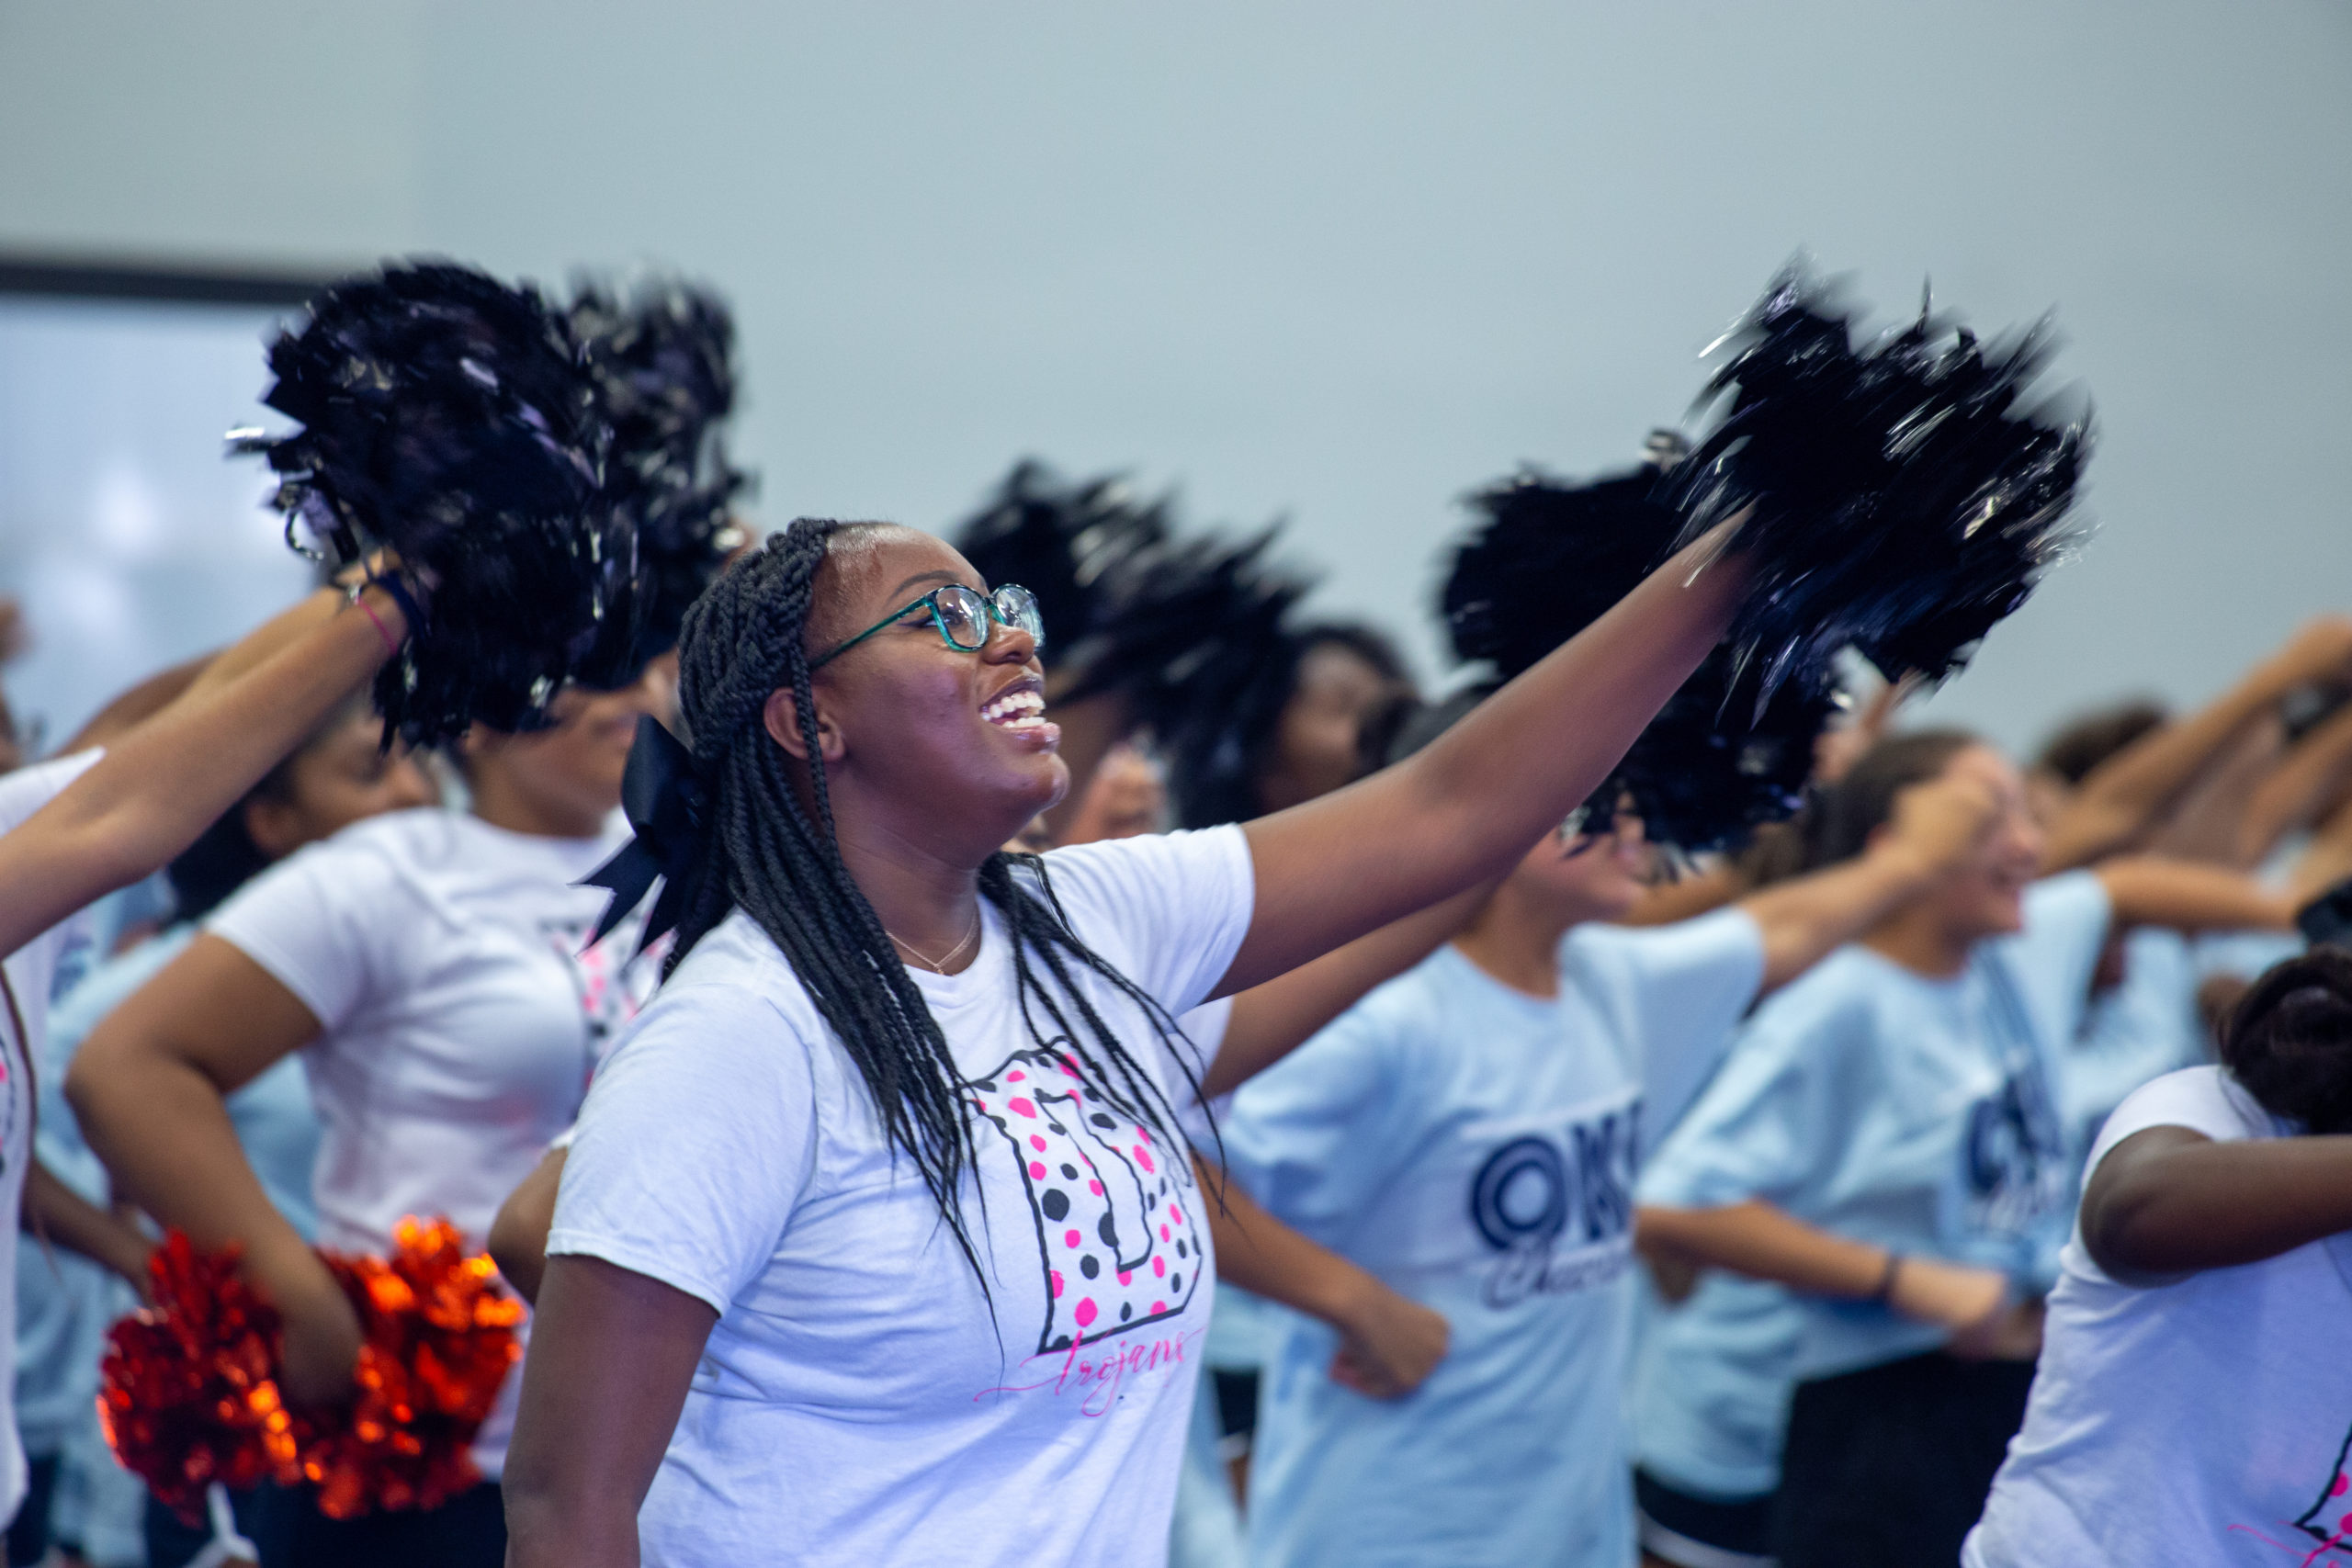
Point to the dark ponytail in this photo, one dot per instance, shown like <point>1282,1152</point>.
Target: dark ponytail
<point>764,851</point>
<point>2289,1041</point>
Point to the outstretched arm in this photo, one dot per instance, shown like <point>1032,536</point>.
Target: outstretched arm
<point>1271,1019</point>
<point>2187,896</point>
<point>1388,1343</point>
<point>166,781</point>
<point>1466,807</point>
<point>1937,826</point>
<point>2124,796</point>
<point>2168,1201</point>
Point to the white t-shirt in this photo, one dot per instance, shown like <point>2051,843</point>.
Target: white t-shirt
<point>30,970</point>
<point>1476,1147</point>
<point>2208,1420</point>
<point>861,1401</point>
<point>459,1018</point>
<point>1909,1113</point>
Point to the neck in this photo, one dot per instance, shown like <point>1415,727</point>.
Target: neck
<point>1915,940</point>
<point>1517,941</point>
<point>498,801</point>
<point>928,901</point>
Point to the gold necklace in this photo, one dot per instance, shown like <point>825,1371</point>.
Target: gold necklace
<point>938,965</point>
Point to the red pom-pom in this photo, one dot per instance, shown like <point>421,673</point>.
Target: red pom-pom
<point>439,1338</point>
<point>190,1392</point>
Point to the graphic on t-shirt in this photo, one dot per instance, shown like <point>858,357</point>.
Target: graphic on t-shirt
<point>2015,1157</point>
<point>2329,1520</point>
<point>1116,1237</point>
<point>614,980</point>
<point>1557,1203</point>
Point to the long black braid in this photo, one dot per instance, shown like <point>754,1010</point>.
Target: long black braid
<point>764,852</point>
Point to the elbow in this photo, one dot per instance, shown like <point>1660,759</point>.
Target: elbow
<point>2123,1234</point>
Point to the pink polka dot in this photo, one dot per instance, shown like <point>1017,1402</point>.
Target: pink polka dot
<point>1126,1277</point>
<point>1144,1133</point>
<point>1022,1108</point>
<point>1095,1188</point>
<point>1176,1213</point>
<point>1159,1306</point>
<point>1163,1233</point>
<point>1015,1076</point>
<point>1036,1171</point>
<point>1057,1283</point>
<point>1143,1158</point>
<point>2343,1485</point>
<point>1085,1313</point>
<point>981,1104</point>
<point>1160,1268</point>
<point>1071,1238</point>
<point>1037,1143</point>
<point>1069,1066</point>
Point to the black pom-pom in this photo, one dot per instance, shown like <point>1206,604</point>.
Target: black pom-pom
<point>1194,638</point>
<point>1902,497</point>
<point>444,415</point>
<point>661,363</point>
<point>1549,558</point>
<point>1067,543</point>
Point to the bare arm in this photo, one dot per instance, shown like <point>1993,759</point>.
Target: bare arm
<point>168,778</point>
<point>149,1087</point>
<point>518,1236</point>
<point>1688,897</point>
<point>1466,806</point>
<point>1764,1242</point>
<point>1271,1019</point>
<point>2187,896</point>
<point>2298,790</point>
<point>2167,1200</point>
<point>54,1212</point>
<point>2124,796</point>
<point>1389,1344</point>
<point>592,1425</point>
<point>1935,826</point>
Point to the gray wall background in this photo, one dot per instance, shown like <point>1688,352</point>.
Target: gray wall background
<point>1337,261</point>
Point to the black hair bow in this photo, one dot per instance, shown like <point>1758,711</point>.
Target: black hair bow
<point>662,794</point>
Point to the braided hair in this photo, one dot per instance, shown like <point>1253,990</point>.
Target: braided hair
<point>765,851</point>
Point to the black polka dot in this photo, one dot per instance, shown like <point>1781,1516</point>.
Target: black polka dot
<point>1054,1126</point>
<point>1175,1282</point>
<point>1108,1231</point>
<point>1179,1249</point>
<point>1100,1120</point>
<point>1127,1311</point>
<point>1055,1204</point>
<point>1090,1266</point>
<point>986,1086</point>
<point>1000,1124</point>
<point>1069,1173</point>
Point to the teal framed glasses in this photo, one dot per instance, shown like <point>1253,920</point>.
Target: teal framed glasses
<point>962,615</point>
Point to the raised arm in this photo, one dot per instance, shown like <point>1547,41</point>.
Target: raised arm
<point>166,779</point>
<point>2189,896</point>
<point>149,1087</point>
<point>1271,1019</point>
<point>2124,796</point>
<point>2298,790</point>
<point>1466,807</point>
<point>1388,1343</point>
<point>2168,1201</point>
<point>1936,827</point>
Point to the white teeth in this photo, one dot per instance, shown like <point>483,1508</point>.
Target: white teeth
<point>1016,710</point>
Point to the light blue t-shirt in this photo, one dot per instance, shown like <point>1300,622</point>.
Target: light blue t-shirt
<point>1711,1385</point>
<point>1475,1149</point>
<point>2134,1033</point>
<point>1913,1114</point>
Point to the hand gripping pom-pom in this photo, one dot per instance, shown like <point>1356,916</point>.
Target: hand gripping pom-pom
<point>438,1339</point>
<point>445,417</point>
<point>189,1392</point>
<point>1899,499</point>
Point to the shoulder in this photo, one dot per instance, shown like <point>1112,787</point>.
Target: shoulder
<point>734,995</point>
<point>2203,1099</point>
<point>2069,899</point>
<point>1109,869</point>
<point>1728,936</point>
<point>1851,987</point>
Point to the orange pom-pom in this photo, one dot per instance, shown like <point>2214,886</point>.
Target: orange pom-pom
<point>190,1393</point>
<point>439,1340</point>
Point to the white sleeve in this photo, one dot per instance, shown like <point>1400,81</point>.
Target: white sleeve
<point>325,923</point>
<point>2199,1098</point>
<point>1676,991</point>
<point>697,1142</point>
<point>1176,904</point>
<point>27,790</point>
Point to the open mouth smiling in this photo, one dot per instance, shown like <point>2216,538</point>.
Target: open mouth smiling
<point>1023,709</point>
